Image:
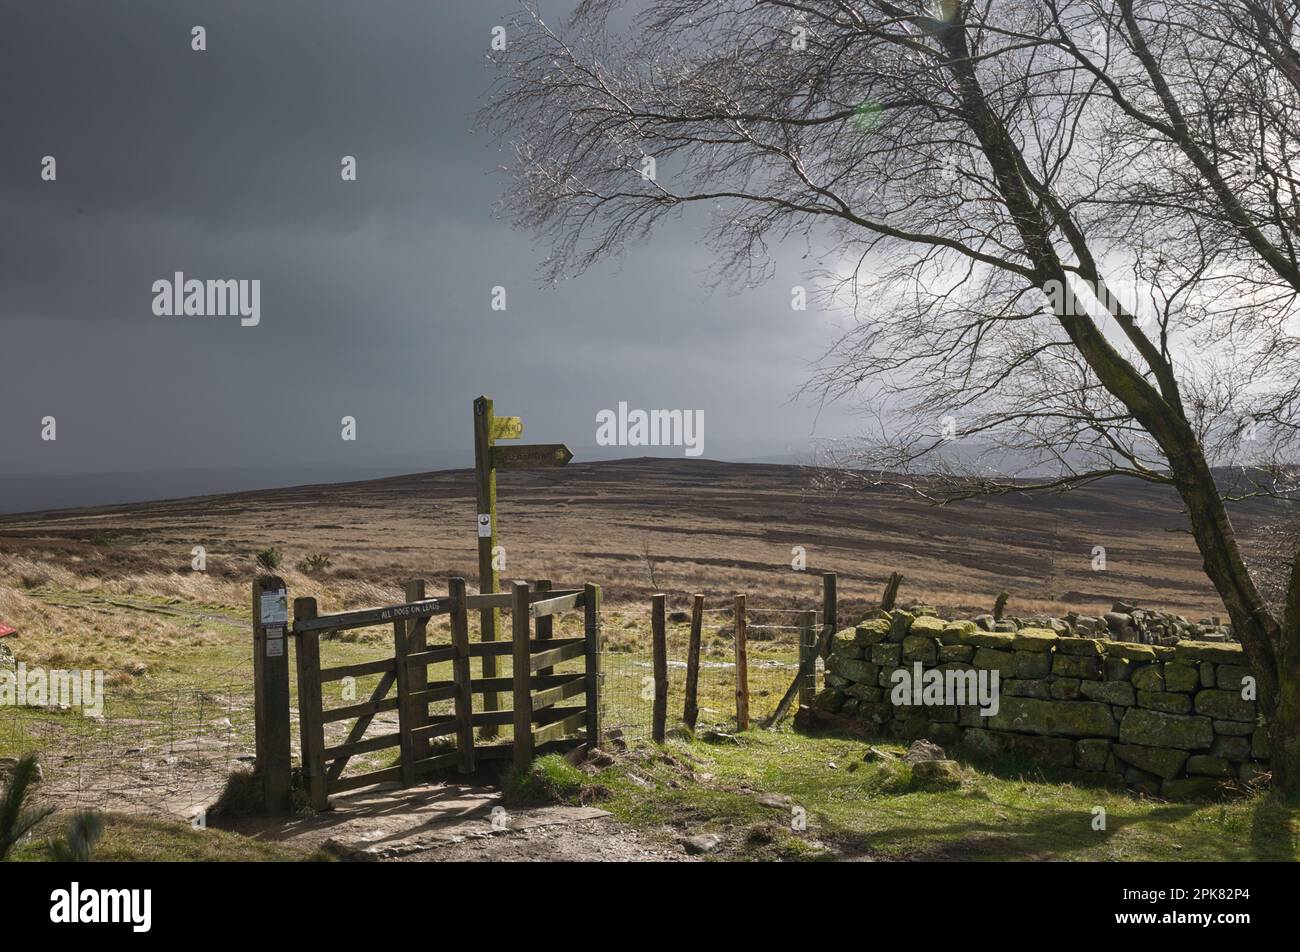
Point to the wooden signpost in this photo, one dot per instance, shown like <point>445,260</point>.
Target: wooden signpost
<point>539,456</point>
<point>488,458</point>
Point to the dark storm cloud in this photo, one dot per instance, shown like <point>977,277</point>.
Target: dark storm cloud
<point>375,294</point>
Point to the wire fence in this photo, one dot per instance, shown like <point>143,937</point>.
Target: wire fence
<point>627,665</point>
<point>164,753</point>
<point>170,752</point>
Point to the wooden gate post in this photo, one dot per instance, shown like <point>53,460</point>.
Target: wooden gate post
<point>462,674</point>
<point>417,639</point>
<point>310,718</point>
<point>271,691</point>
<point>522,656</point>
<point>830,608</point>
<point>691,709</point>
<point>807,658</point>
<point>591,629</point>
<point>405,705</point>
<point>742,667</point>
<point>660,638</point>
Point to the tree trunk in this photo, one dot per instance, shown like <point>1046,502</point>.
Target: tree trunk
<point>1283,726</point>
<point>1160,413</point>
<point>1271,651</point>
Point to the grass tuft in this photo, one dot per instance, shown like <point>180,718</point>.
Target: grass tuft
<point>549,779</point>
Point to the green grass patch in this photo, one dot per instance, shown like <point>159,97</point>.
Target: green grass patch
<point>550,779</point>
<point>141,839</point>
<point>769,784</point>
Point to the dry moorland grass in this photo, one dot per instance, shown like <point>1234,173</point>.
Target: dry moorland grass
<point>635,527</point>
<point>112,587</point>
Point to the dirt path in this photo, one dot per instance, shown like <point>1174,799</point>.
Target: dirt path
<point>116,604</point>
<point>458,822</point>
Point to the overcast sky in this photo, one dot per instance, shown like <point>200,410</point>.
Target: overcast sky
<point>375,294</point>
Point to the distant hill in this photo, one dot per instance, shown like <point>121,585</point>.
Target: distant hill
<point>690,525</point>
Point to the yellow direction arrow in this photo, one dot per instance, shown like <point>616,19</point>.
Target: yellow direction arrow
<point>507,428</point>
<point>536,456</point>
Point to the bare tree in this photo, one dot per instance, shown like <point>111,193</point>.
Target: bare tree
<point>1067,228</point>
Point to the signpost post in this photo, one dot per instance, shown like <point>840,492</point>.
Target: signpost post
<point>488,458</point>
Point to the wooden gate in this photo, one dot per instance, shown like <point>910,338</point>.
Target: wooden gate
<point>541,723</point>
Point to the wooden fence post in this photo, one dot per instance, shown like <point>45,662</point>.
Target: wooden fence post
<point>271,691</point>
<point>830,608</point>
<point>523,719</point>
<point>807,658</point>
<point>543,628</point>
<point>462,674</point>
<point>742,667</point>
<point>310,723</point>
<point>691,709</point>
<point>401,649</point>
<point>659,634</point>
<point>591,629</point>
<point>417,639</point>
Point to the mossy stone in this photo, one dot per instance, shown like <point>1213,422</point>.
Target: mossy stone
<point>1055,718</point>
<point>1231,677</point>
<point>929,626</point>
<point>991,659</point>
<point>1091,753</point>
<point>1225,705</point>
<point>1157,729</point>
<point>1164,762</point>
<point>1015,687</point>
<point>1079,647</point>
<point>987,639</point>
<point>1071,666</point>
<point>1032,664</point>
<point>1181,676</point>
<point>1150,677</point>
<point>899,624</point>
<point>1111,692</point>
<point>1166,701</point>
<point>1218,652</point>
<point>920,648</point>
<point>1129,652</point>
<point>1034,639</point>
<point>887,654</point>
<point>843,644</point>
<point>962,653</point>
<point>1204,765</point>
<point>871,632</point>
<point>953,631</point>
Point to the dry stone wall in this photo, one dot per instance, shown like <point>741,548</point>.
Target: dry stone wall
<point>1174,721</point>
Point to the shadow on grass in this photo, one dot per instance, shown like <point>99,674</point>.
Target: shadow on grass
<point>1051,834</point>
<point>1273,831</point>
<point>1260,828</point>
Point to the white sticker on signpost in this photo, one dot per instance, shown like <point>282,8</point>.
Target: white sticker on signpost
<point>484,525</point>
<point>275,608</point>
<point>275,642</point>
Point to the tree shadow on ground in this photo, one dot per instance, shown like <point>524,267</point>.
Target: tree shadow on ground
<point>1039,835</point>
<point>1274,831</point>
